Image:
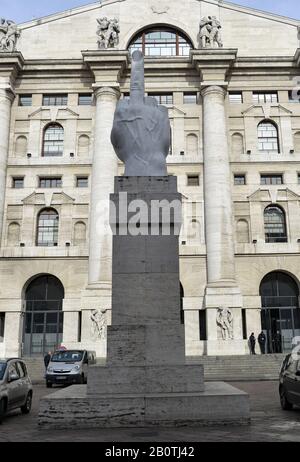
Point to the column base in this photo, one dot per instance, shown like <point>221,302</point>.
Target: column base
<point>220,295</point>
<point>227,348</point>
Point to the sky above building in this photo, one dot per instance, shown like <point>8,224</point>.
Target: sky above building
<point>21,11</point>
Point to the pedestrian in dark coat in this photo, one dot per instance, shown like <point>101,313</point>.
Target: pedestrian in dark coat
<point>252,341</point>
<point>262,342</point>
<point>47,359</point>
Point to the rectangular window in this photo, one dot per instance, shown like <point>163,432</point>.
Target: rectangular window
<point>244,324</point>
<point>261,97</point>
<point>239,180</point>
<point>25,100</point>
<point>18,183</point>
<point>79,326</point>
<point>190,98</point>
<point>202,322</point>
<point>82,182</point>
<point>271,179</point>
<point>163,98</point>
<point>2,326</point>
<point>193,180</point>
<point>55,100</point>
<point>294,96</point>
<point>236,97</point>
<point>85,99</point>
<point>47,182</point>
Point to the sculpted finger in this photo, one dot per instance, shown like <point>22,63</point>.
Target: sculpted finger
<point>137,82</point>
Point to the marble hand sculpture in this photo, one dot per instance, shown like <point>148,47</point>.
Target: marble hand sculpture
<point>141,131</point>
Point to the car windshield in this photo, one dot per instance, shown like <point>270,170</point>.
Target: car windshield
<point>67,356</point>
<point>2,370</point>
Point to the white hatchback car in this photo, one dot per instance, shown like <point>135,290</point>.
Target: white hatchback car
<point>15,387</point>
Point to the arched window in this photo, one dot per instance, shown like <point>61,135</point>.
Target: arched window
<point>43,316</point>
<point>297,142</point>
<point>237,143</point>
<point>47,229</point>
<point>275,224</point>
<point>160,41</point>
<point>53,142</point>
<point>192,144</point>
<point>268,138</point>
<point>242,232</point>
<point>83,145</point>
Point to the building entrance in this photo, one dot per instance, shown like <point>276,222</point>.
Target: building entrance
<point>43,325</point>
<point>280,311</point>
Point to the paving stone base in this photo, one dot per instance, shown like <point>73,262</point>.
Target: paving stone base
<point>219,404</point>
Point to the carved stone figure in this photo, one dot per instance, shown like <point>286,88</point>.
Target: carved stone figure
<point>210,32</point>
<point>99,324</point>
<point>108,33</point>
<point>225,323</point>
<point>9,34</point>
<point>141,130</point>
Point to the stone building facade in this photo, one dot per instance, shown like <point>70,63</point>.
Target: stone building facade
<point>230,77</point>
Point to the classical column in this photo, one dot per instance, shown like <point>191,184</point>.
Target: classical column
<point>105,168</point>
<point>6,99</point>
<point>217,187</point>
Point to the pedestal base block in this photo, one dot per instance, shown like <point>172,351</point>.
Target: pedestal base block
<point>219,404</point>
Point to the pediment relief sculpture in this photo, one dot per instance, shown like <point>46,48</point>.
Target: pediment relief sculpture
<point>9,34</point>
<point>210,32</point>
<point>108,33</point>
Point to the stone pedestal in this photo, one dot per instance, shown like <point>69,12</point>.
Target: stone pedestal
<point>146,380</point>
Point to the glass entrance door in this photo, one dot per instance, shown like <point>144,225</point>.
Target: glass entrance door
<point>43,332</point>
<point>280,311</point>
<point>281,326</point>
<point>43,326</point>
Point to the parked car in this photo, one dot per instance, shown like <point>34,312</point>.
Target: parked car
<point>69,367</point>
<point>15,387</point>
<point>289,382</point>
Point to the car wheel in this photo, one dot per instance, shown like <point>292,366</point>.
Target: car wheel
<point>82,379</point>
<point>2,410</point>
<point>49,385</point>
<point>285,404</point>
<point>27,406</point>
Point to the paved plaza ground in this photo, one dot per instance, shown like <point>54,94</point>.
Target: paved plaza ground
<point>269,423</point>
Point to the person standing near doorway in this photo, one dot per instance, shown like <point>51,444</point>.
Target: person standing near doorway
<point>47,359</point>
<point>278,342</point>
<point>252,342</point>
<point>262,342</point>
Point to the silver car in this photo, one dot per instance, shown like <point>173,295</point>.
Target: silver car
<point>15,387</point>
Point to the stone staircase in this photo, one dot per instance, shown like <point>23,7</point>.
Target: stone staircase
<point>240,368</point>
<point>216,368</point>
<point>36,369</point>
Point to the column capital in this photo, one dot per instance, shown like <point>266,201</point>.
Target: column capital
<point>100,91</point>
<point>6,88</point>
<point>214,64</point>
<point>107,66</point>
<point>213,89</point>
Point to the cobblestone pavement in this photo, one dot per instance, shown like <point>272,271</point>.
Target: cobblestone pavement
<point>269,423</point>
